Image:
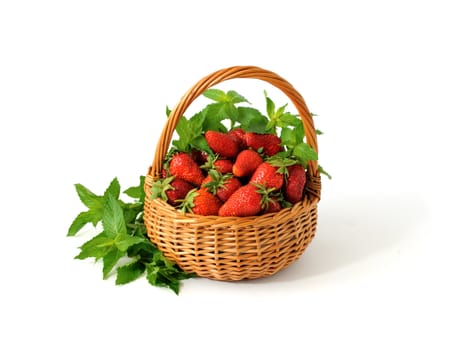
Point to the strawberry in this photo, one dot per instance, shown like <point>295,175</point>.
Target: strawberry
<point>222,143</point>
<point>270,143</point>
<point>273,206</point>
<point>184,167</point>
<point>201,202</point>
<point>200,157</point>
<point>268,176</point>
<point>246,201</point>
<point>221,185</point>
<point>170,189</point>
<point>165,173</point>
<point>213,163</point>
<point>224,166</point>
<point>239,136</point>
<point>295,182</point>
<point>246,163</point>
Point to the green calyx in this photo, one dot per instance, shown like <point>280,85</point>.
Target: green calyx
<point>218,181</point>
<point>160,187</point>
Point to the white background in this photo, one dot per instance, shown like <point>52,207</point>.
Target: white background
<point>83,90</point>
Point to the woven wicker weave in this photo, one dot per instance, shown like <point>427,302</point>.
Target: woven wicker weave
<point>232,248</point>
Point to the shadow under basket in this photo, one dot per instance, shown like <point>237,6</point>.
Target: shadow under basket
<point>233,248</point>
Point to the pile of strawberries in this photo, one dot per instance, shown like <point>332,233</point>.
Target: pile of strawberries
<point>242,177</point>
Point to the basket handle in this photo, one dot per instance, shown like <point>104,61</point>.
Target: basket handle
<point>227,74</point>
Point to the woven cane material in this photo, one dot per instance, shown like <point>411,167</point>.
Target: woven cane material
<point>232,248</point>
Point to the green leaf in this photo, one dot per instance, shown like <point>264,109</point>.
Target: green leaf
<point>87,197</point>
<point>110,260</point>
<point>214,114</point>
<point>288,138</point>
<point>137,192</point>
<point>200,143</point>
<point>114,189</point>
<point>234,97</point>
<point>215,94</point>
<point>188,130</point>
<point>183,130</point>
<point>304,152</point>
<point>125,241</point>
<point>162,272</point>
<point>288,119</point>
<point>157,276</point>
<point>251,120</point>
<point>270,105</point>
<point>113,218</point>
<point>324,172</point>
<point>97,247</point>
<point>80,221</point>
<point>130,272</point>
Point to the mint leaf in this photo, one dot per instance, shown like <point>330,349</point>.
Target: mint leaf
<point>110,260</point>
<point>270,106</point>
<point>323,171</point>
<point>220,96</point>
<point>200,143</point>
<point>234,97</point>
<point>215,113</point>
<point>224,108</point>
<point>137,192</point>
<point>163,273</point>
<point>125,241</point>
<point>304,152</point>
<point>251,120</point>
<point>80,221</point>
<point>215,94</point>
<point>188,130</point>
<point>114,189</point>
<point>97,247</point>
<point>183,130</point>
<point>288,119</point>
<point>288,138</point>
<point>95,205</point>
<point>130,272</point>
<point>87,197</point>
<point>113,218</point>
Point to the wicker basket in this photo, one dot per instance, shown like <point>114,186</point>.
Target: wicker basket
<point>232,248</point>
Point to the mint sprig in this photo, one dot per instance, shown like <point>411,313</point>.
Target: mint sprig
<point>123,245</point>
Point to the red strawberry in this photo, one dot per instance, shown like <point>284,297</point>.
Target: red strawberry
<point>273,206</point>
<point>296,180</point>
<point>165,173</point>
<point>239,136</point>
<point>230,186</point>
<point>179,191</point>
<point>170,189</point>
<point>268,176</point>
<point>200,157</point>
<point>222,143</point>
<point>201,202</point>
<point>223,186</point>
<point>246,201</point>
<point>246,163</point>
<point>224,166</point>
<point>184,167</point>
<point>271,144</point>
